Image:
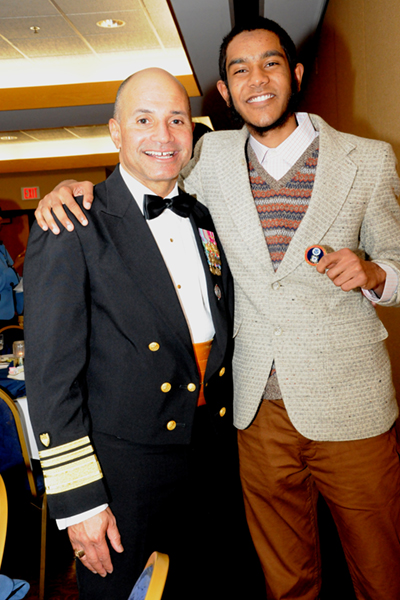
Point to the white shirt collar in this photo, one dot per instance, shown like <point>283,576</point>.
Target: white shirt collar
<point>293,147</point>
<point>138,190</point>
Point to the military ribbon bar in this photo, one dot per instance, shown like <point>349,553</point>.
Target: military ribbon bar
<point>211,249</point>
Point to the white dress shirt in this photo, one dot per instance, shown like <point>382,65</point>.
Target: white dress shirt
<point>176,241</point>
<point>277,162</point>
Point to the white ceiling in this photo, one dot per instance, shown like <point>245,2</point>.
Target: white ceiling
<point>68,35</point>
<point>44,42</point>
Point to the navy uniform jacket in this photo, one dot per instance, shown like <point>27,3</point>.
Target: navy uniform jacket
<point>107,344</point>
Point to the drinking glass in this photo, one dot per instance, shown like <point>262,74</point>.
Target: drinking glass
<point>19,351</point>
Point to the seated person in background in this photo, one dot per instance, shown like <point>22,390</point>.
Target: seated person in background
<point>11,302</point>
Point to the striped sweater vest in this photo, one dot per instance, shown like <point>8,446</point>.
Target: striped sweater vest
<point>281,206</point>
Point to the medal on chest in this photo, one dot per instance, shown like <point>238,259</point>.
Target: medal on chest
<point>211,249</point>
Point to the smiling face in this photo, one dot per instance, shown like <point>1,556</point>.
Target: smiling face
<point>260,85</point>
<point>153,129</point>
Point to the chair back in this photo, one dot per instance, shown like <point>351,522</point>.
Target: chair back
<point>10,420</point>
<point>151,582</point>
<point>13,448</point>
<point>3,517</point>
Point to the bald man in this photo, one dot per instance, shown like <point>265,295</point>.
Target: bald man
<point>128,366</point>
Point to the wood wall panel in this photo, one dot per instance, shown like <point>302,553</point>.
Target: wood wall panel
<point>78,94</point>
<point>355,85</point>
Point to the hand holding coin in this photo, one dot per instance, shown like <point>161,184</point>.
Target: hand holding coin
<point>348,271</point>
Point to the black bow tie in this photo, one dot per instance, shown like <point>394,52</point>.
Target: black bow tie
<point>153,206</point>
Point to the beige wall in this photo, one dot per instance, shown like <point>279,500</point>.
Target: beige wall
<point>355,81</point>
<point>10,184</point>
<point>355,86</point>
<point>15,234</point>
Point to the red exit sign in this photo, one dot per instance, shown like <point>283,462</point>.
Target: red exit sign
<point>30,193</point>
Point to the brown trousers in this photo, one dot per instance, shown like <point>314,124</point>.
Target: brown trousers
<point>282,473</point>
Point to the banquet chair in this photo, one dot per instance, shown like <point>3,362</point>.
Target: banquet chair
<point>3,517</point>
<point>151,582</point>
<point>11,333</point>
<point>14,452</point>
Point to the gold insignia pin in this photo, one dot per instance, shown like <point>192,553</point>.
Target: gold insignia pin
<point>45,439</point>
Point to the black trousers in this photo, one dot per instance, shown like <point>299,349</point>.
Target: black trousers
<point>185,501</point>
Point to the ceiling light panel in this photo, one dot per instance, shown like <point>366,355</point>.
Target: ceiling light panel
<point>90,132</point>
<point>86,23</point>
<point>162,20</point>
<point>74,7</point>
<point>33,8</point>
<point>49,135</point>
<point>8,52</point>
<point>73,146</point>
<point>50,27</point>
<point>17,138</point>
<point>53,47</point>
<point>38,136</point>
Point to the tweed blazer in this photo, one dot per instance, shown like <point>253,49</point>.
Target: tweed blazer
<point>328,345</point>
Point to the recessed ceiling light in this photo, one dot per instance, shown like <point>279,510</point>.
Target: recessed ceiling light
<point>110,23</point>
<point>8,137</point>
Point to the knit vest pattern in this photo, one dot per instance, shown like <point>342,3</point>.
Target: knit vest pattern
<point>281,206</point>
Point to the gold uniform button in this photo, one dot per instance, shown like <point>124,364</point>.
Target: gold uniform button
<point>222,412</point>
<point>191,387</point>
<point>222,372</point>
<point>165,387</point>
<point>171,425</point>
<point>154,346</point>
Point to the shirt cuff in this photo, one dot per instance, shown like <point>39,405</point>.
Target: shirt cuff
<point>391,285</point>
<point>67,522</point>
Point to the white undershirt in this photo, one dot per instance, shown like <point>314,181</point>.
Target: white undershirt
<point>277,162</point>
<point>176,241</point>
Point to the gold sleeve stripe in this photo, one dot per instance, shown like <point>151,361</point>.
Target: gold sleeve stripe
<point>71,456</point>
<point>72,476</point>
<point>64,448</point>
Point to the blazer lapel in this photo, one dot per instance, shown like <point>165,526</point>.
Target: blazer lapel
<point>240,206</point>
<point>140,255</point>
<point>333,182</point>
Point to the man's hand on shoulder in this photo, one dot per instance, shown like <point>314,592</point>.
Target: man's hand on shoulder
<point>64,194</point>
<point>349,271</point>
<point>90,536</point>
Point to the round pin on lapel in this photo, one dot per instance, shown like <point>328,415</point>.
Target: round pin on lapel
<point>313,254</point>
<point>217,291</point>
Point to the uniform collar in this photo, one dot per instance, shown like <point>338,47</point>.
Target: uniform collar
<point>138,190</point>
